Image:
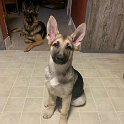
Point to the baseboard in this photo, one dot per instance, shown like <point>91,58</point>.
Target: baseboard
<point>73,23</point>
<point>8,42</point>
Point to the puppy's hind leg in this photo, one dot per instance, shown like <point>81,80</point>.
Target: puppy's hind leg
<point>38,41</point>
<point>80,101</point>
<point>16,30</point>
<point>28,41</point>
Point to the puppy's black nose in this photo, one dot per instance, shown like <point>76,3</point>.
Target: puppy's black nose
<point>60,58</point>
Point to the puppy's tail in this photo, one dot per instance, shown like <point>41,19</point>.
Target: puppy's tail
<point>16,30</point>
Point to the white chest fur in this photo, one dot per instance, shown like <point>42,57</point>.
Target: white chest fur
<point>54,82</point>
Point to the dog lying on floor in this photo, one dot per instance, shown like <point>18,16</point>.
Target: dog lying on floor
<point>62,80</point>
<point>33,30</point>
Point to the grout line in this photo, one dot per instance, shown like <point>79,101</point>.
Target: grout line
<point>29,86</point>
<point>114,108</point>
<point>26,93</point>
<point>42,106</point>
<point>10,92</point>
<point>10,88</point>
<point>96,107</point>
<point>43,102</point>
<point>79,115</point>
<point>43,98</point>
<point>27,97</point>
<point>112,104</point>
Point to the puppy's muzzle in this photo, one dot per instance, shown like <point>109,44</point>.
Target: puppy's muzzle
<point>60,59</point>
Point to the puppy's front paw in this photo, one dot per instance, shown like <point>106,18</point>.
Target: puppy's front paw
<point>26,50</point>
<point>63,119</point>
<point>22,34</point>
<point>46,104</point>
<point>48,113</point>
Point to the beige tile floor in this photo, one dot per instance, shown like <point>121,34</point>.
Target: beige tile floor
<point>22,90</point>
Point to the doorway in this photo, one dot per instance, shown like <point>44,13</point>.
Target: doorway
<point>15,20</point>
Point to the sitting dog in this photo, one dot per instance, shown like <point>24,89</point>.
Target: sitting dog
<point>62,80</point>
<point>33,30</point>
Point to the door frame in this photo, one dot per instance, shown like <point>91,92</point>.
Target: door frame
<point>70,10</point>
<point>5,34</point>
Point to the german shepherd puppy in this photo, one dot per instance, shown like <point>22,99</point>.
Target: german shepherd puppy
<point>62,80</point>
<point>33,30</point>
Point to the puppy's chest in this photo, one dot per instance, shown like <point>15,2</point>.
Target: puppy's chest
<point>56,81</point>
<point>31,31</point>
<point>57,88</point>
<point>59,85</point>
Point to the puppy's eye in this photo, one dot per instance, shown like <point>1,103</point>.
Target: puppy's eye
<point>68,47</point>
<point>56,44</point>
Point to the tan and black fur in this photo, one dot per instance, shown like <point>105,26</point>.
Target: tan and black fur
<point>33,29</point>
<point>62,80</point>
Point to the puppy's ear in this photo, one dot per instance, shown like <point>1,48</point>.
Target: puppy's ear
<point>78,35</point>
<point>52,29</point>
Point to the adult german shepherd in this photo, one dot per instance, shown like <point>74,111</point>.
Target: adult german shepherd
<point>33,30</point>
<point>62,80</point>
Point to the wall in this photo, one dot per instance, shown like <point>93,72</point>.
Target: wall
<point>2,22</point>
<point>78,11</point>
<point>2,44</point>
<point>105,26</point>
